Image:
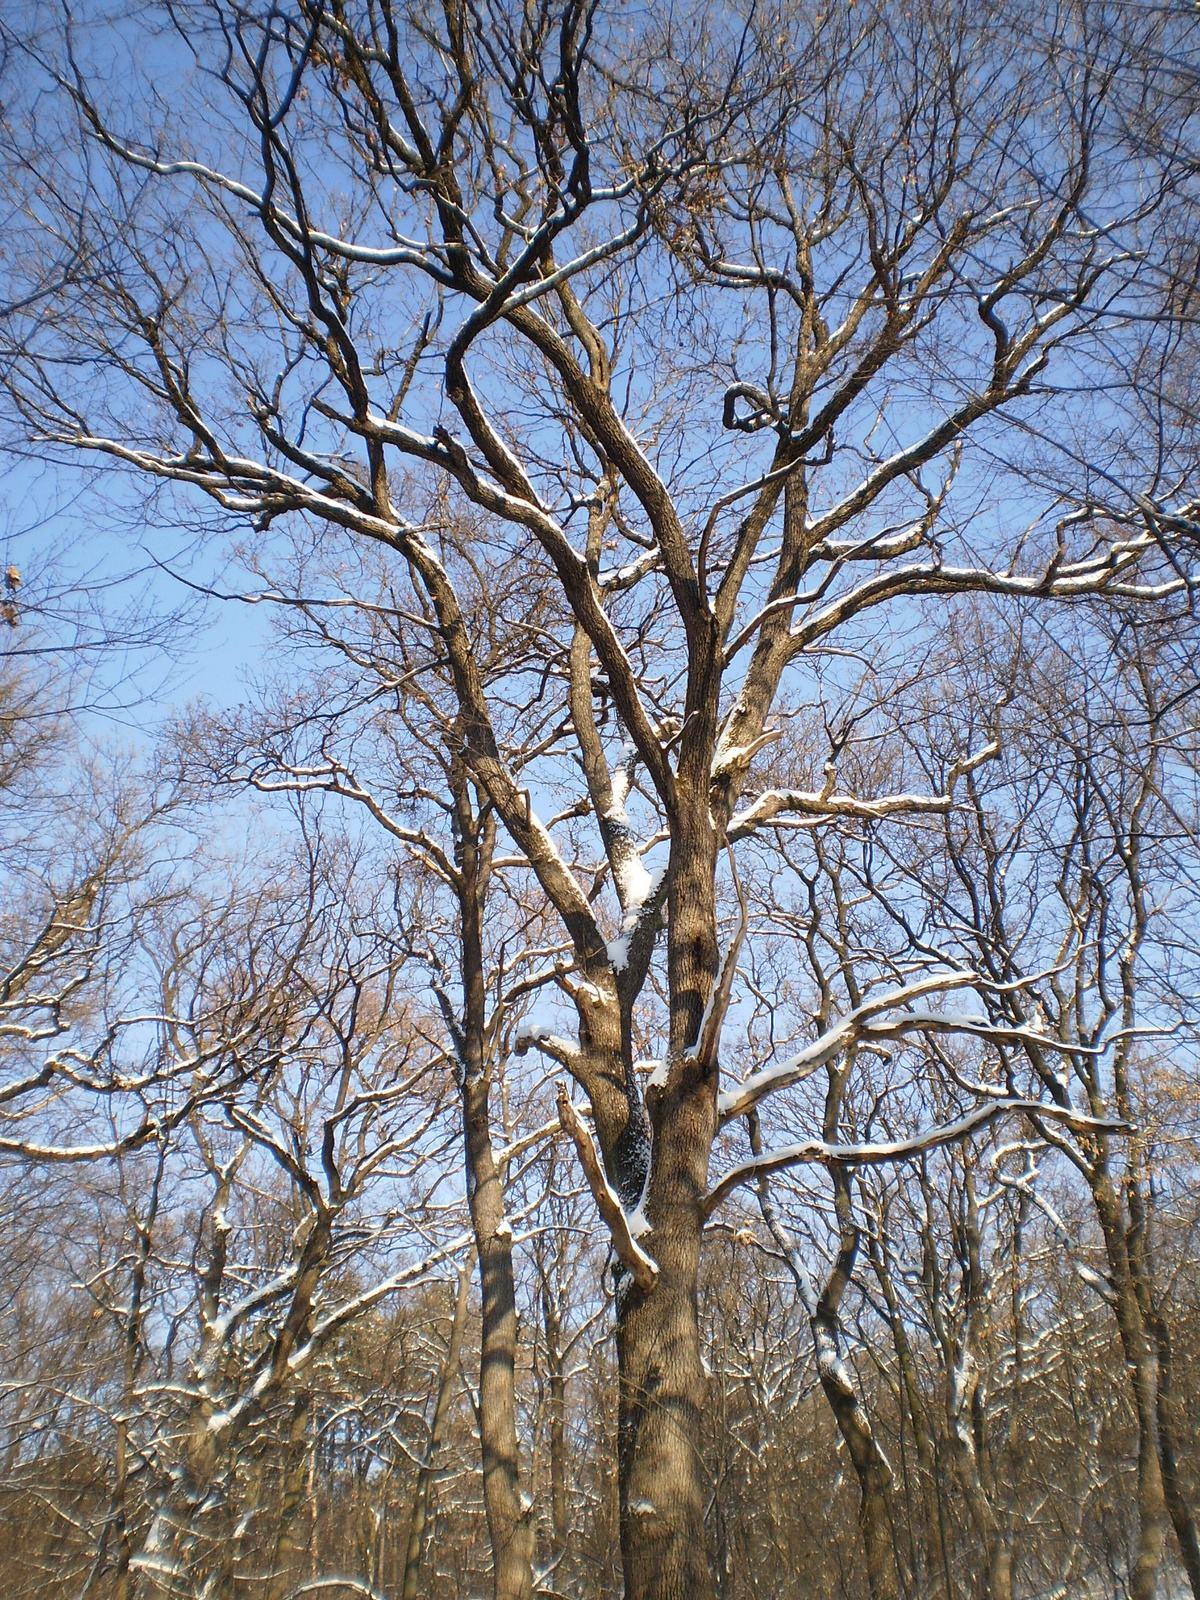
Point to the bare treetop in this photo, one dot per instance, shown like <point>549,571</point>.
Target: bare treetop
<point>682,373</point>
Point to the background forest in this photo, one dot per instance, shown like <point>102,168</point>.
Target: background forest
<point>635,1031</point>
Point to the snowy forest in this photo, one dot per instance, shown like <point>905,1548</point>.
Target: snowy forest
<point>599,799</point>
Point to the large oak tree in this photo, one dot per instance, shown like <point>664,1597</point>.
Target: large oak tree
<point>755,335</point>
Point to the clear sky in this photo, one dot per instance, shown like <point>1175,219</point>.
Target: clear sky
<point>112,600</point>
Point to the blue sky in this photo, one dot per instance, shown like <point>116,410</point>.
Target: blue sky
<point>111,600</point>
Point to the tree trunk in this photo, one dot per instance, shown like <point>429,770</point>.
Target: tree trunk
<point>510,1524</point>
<point>988,1526</point>
<point>876,1518</point>
<point>294,1474</point>
<point>441,1411</point>
<point>1151,1497</point>
<point>1180,1513</point>
<point>663,1486</point>
<point>935,1555</point>
<point>558,1416</point>
<point>509,1514</point>
<point>120,1517</point>
<point>1000,1585</point>
<point>1141,1360</point>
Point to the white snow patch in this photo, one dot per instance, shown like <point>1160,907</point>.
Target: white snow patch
<point>634,882</point>
<point>635,889</point>
<point>653,880</point>
<point>622,779</point>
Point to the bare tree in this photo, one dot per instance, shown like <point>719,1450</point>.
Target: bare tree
<point>1066,874</point>
<point>796,312</point>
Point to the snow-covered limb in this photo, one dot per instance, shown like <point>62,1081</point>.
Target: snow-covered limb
<point>1100,574</point>
<point>786,1242</point>
<point>320,1585</point>
<point>272,1373</point>
<point>976,1028</point>
<point>634,883</point>
<point>532,1035</point>
<point>641,905</point>
<point>821,805</point>
<point>217,1332</point>
<point>518,1147</point>
<point>849,1029</point>
<point>643,1269</point>
<point>729,757</point>
<point>616,579</point>
<point>1026,1183</point>
<point>864,1026</point>
<point>816,1152</point>
<point>30,1150</point>
<point>404,1278</point>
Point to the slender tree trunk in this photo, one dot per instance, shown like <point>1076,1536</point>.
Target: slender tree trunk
<point>556,1379</point>
<point>509,1513</point>
<point>120,1521</point>
<point>936,1559</point>
<point>510,1525</point>
<point>1000,1582</point>
<point>876,1517</point>
<point>132,1364</point>
<point>875,1512</point>
<point>420,1508</point>
<point>1151,1495</point>
<point>988,1526</point>
<point>1182,1519</point>
<point>295,1472</point>
<point>965,1404</point>
<point>1141,1361</point>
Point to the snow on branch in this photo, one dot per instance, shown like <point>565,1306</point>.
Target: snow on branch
<point>273,1372</point>
<point>848,1030</point>
<point>866,1026</point>
<point>642,1268</point>
<point>642,903</point>
<point>1026,1183</point>
<point>403,1278</point>
<point>533,1036</point>
<point>822,805</point>
<point>816,1152</point>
